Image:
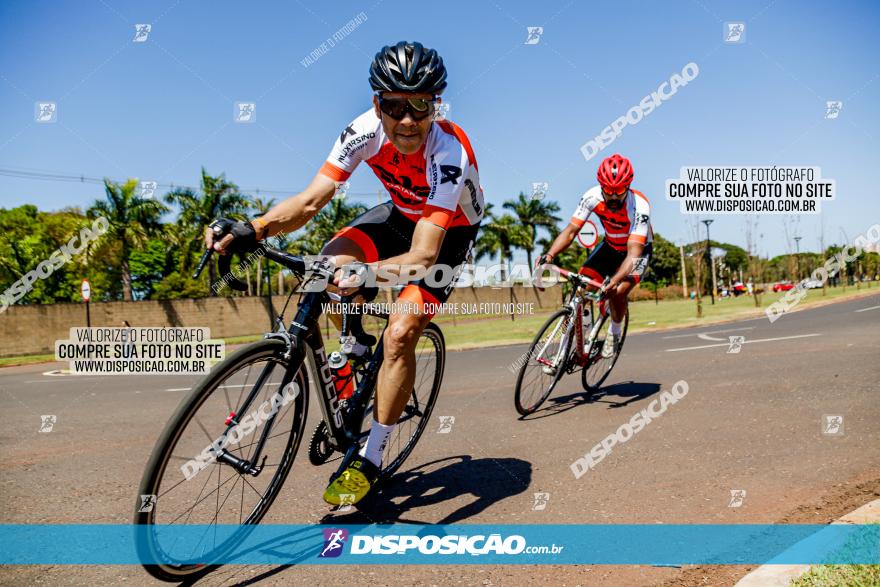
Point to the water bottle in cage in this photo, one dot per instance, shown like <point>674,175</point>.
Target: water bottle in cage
<point>587,322</point>
<point>343,378</point>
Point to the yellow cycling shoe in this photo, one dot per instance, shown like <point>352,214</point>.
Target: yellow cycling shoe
<point>353,484</point>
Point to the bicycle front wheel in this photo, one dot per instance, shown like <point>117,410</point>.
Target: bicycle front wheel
<point>190,481</point>
<point>544,363</point>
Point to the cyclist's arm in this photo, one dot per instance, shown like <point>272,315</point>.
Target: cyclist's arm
<point>288,215</point>
<point>295,211</point>
<point>563,241</point>
<point>634,250</point>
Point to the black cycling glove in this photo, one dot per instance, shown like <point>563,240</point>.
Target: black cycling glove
<point>244,235</point>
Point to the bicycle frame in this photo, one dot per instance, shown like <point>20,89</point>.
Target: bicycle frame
<point>304,342</point>
<point>575,303</point>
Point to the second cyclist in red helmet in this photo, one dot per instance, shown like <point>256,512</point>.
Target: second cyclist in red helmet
<point>623,255</point>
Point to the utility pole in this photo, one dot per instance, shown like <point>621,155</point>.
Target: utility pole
<point>684,279</point>
<point>797,258</point>
<point>711,262</point>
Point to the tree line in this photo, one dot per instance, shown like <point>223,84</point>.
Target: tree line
<point>141,257</point>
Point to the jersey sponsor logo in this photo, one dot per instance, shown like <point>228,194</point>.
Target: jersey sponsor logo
<point>473,191</point>
<point>450,173</point>
<point>349,130</point>
<point>354,145</point>
<point>641,219</point>
<point>402,186</point>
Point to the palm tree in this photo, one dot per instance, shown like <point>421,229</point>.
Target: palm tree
<point>218,198</point>
<point>261,206</point>
<point>499,237</point>
<point>132,221</point>
<point>533,213</point>
<point>320,229</point>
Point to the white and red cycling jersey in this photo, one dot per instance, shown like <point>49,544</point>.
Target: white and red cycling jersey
<point>631,223</point>
<point>439,183</point>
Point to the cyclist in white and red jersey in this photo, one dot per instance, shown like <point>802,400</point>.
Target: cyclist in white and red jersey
<point>429,169</point>
<point>624,254</point>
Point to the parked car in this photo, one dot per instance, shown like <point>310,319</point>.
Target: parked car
<point>812,284</point>
<point>783,286</point>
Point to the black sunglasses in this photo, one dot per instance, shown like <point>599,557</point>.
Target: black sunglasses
<point>396,108</point>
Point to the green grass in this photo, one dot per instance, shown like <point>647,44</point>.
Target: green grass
<point>463,332</point>
<point>835,575</point>
<point>850,575</point>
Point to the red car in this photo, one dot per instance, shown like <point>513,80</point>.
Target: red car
<point>783,286</point>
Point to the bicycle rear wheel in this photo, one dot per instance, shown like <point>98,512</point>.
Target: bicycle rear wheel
<point>544,363</point>
<point>191,487</point>
<point>598,368</point>
<point>430,364</point>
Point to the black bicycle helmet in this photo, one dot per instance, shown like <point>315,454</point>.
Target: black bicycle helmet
<point>408,67</point>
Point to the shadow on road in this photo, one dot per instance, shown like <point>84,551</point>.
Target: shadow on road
<point>625,392</point>
<point>486,480</point>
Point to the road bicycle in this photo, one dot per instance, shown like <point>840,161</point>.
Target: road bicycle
<point>225,454</point>
<point>569,341</point>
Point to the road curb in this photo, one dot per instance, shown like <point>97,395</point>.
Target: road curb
<point>782,575</point>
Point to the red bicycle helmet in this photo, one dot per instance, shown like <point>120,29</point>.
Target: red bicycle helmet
<point>615,173</point>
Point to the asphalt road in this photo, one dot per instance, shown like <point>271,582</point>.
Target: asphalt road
<point>752,421</point>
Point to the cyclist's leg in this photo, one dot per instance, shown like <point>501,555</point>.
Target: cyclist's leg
<point>620,297</point>
<point>601,263</point>
<point>360,241</point>
<point>414,312</point>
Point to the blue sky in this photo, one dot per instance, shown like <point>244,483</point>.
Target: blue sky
<point>161,109</point>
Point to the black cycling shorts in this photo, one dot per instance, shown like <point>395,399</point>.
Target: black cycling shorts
<point>604,262</point>
<point>384,232</point>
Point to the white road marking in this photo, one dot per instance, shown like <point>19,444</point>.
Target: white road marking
<point>711,332</point>
<point>706,346</point>
<point>866,309</point>
<point>705,336</point>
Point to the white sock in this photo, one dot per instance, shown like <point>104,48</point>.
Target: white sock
<point>375,447</point>
<point>615,328</point>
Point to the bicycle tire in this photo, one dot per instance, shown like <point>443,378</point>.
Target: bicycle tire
<point>585,373</point>
<point>270,350</point>
<point>521,407</point>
